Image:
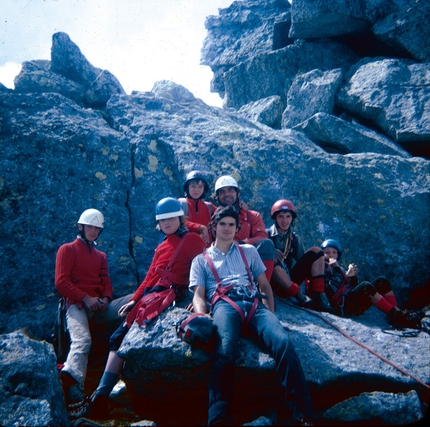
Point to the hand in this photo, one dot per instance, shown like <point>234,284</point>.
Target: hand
<point>104,302</point>
<point>352,270</point>
<point>279,255</point>
<point>92,303</point>
<point>204,233</point>
<point>126,308</point>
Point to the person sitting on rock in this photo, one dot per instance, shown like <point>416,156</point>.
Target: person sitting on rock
<point>349,298</point>
<point>294,265</point>
<point>168,272</point>
<point>82,278</point>
<point>198,211</point>
<point>251,228</point>
<point>232,278</point>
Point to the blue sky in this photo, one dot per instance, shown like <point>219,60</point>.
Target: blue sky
<point>139,41</point>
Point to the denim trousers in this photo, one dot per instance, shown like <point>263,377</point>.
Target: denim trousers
<point>271,334</point>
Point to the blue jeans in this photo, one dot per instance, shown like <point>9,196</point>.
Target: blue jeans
<point>266,327</point>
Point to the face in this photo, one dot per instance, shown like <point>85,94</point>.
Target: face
<point>330,253</point>
<point>283,220</point>
<point>227,196</point>
<point>91,232</point>
<point>196,189</point>
<point>169,225</point>
<point>226,228</point>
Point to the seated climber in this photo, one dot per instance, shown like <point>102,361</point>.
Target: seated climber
<point>349,298</point>
<point>82,278</point>
<point>168,276</point>
<point>251,228</point>
<point>198,212</point>
<point>292,264</point>
<point>232,278</point>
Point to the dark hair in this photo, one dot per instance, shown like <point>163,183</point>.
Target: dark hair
<point>222,212</point>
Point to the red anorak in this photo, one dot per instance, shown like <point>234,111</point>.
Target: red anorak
<point>252,228</point>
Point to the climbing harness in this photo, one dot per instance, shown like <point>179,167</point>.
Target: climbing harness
<point>222,291</point>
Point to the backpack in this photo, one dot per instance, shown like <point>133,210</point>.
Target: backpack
<point>60,335</point>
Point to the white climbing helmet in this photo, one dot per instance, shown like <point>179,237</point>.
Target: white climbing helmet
<point>92,217</point>
<point>225,181</point>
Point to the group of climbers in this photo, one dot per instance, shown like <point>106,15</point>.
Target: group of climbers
<point>272,260</point>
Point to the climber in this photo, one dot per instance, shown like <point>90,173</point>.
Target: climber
<point>82,278</point>
<point>349,298</point>
<point>251,228</point>
<point>167,275</point>
<point>198,211</point>
<point>231,277</point>
<point>294,265</point>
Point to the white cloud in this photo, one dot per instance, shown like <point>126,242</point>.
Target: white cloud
<point>139,41</point>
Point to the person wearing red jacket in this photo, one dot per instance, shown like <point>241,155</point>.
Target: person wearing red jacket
<point>252,230</point>
<point>82,278</point>
<point>198,211</point>
<point>162,274</point>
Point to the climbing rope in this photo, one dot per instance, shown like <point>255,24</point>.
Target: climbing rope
<point>403,371</point>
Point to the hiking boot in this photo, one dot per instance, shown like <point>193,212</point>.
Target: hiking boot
<point>100,406</point>
<point>74,395</point>
<point>322,303</point>
<point>304,300</point>
<point>405,318</point>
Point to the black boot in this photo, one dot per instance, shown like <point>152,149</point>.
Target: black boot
<point>322,303</point>
<point>304,300</point>
<point>406,318</point>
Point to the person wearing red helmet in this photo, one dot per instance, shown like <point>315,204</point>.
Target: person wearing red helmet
<point>294,265</point>
<point>251,226</point>
<point>198,211</point>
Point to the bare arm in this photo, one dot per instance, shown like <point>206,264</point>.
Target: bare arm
<point>199,300</point>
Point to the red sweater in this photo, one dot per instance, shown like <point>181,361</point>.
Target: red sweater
<point>81,270</point>
<point>193,246</point>
<point>252,228</point>
<point>198,214</point>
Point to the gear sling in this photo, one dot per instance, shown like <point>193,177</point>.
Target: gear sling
<point>158,298</point>
<point>222,291</point>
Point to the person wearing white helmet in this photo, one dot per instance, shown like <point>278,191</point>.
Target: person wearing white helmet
<point>82,278</point>
<point>167,279</point>
<point>251,226</point>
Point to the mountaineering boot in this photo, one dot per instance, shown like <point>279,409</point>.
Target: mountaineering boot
<point>322,303</point>
<point>405,318</point>
<point>72,390</point>
<point>99,406</point>
<point>304,300</point>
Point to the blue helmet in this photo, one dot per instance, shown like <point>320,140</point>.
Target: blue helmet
<point>168,208</point>
<point>331,243</point>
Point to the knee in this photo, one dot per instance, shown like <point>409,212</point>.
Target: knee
<point>382,285</point>
<point>266,249</point>
<point>315,253</point>
<point>368,289</point>
<point>82,343</point>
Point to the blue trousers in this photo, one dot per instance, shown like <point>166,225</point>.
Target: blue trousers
<point>267,328</point>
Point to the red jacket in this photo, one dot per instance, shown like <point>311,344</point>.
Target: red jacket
<point>193,246</point>
<point>252,227</point>
<point>198,214</point>
<point>81,270</point>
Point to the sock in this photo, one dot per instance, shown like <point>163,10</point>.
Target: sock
<point>294,289</point>
<point>383,305</point>
<point>107,383</point>
<point>269,268</point>
<point>391,299</point>
<point>317,284</point>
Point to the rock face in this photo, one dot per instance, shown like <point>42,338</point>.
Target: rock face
<point>333,117</point>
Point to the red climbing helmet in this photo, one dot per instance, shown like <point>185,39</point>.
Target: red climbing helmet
<point>283,205</point>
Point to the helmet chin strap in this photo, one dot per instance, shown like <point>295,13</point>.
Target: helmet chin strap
<point>83,237</point>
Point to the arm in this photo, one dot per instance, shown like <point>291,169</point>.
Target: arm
<point>266,289</point>
<point>199,300</point>
<point>258,229</point>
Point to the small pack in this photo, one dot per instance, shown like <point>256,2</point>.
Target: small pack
<point>197,329</point>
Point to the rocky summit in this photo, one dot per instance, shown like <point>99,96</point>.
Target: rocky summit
<point>325,104</point>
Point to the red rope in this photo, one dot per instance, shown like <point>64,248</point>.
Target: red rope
<point>365,346</point>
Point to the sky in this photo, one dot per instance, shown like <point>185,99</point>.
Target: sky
<point>138,41</point>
